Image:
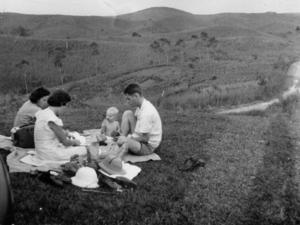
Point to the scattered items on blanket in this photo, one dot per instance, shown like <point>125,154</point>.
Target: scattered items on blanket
<point>118,182</point>
<point>54,178</point>
<point>109,182</point>
<point>113,165</point>
<point>71,167</point>
<point>85,177</point>
<point>76,135</point>
<point>191,164</point>
<point>76,162</point>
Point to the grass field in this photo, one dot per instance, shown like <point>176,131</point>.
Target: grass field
<point>249,176</point>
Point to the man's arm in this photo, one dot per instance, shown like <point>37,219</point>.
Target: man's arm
<point>144,137</point>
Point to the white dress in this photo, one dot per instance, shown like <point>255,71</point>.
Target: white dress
<point>47,145</point>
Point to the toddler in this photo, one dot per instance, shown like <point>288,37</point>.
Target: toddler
<point>110,126</point>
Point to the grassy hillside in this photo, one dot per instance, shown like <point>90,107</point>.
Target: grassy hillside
<point>63,49</point>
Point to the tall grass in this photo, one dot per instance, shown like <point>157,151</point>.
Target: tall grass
<point>220,96</point>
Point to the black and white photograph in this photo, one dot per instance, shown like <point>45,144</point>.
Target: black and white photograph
<point>139,112</point>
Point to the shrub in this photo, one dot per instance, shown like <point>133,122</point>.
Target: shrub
<point>20,31</point>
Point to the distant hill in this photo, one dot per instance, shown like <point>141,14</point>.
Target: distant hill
<point>152,21</point>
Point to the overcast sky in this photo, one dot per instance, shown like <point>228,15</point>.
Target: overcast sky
<point>116,7</point>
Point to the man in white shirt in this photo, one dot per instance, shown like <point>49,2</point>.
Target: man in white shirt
<point>142,130</point>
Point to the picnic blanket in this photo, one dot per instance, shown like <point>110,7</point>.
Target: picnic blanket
<point>5,143</point>
<point>15,164</point>
<point>20,161</point>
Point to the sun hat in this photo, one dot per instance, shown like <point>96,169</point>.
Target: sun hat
<point>112,165</point>
<point>85,177</point>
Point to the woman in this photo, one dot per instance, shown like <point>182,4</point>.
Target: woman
<point>37,101</point>
<point>51,141</point>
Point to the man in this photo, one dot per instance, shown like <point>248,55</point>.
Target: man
<point>142,130</point>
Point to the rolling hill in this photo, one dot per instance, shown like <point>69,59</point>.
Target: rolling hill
<point>158,20</point>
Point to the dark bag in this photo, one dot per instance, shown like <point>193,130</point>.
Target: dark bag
<point>24,137</point>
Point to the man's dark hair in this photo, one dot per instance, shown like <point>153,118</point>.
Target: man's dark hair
<point>132,89</point>
<point>59,98</point>
<point>38,93</point>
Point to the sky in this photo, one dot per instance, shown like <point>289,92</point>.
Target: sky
<point>117,7</point>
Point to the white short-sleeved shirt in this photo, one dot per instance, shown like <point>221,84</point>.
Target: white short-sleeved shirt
<point>47,145</point>
<point>148,121</point>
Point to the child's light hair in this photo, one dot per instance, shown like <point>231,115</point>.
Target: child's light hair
<point>113,110</point>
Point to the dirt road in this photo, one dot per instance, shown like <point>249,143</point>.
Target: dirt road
<point>293,71</point>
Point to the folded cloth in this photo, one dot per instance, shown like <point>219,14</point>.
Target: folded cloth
<point>141,158</point>
<point>5,143</point>
<point>16,165</point>
<point>131,171</point>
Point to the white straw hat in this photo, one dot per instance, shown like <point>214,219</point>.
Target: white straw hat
<point>85,177</point>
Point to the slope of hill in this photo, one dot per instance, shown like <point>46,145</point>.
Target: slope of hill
<point>254,20</point>
<point>158,20</point>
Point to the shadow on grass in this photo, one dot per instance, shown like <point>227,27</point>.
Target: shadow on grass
<point>274,198</point>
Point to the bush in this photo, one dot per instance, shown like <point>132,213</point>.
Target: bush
<point>20,31</point>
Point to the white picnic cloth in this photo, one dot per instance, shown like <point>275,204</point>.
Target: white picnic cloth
<point>131,171</point>
<point>32,160</point>
<point>16,165</point>
<point>141,158</point>
<point>5,142</point>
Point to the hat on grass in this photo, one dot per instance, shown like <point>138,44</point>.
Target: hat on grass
<point>85,177</point>
<point>112,165</point>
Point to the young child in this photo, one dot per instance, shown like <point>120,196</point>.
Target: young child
<point>110,126</point>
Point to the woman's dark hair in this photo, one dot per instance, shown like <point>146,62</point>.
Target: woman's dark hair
<point>59,98</point>
<point>38,93</point>
<point>132,89</point>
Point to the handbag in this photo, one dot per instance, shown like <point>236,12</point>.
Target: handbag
<point>24,137</point>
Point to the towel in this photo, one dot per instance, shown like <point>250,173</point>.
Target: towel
<point>131,171</point>
<point>141,158</point>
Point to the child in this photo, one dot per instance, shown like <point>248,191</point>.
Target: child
<point>110,127</point>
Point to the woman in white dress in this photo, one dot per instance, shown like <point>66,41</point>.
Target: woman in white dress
<point>52,142</point>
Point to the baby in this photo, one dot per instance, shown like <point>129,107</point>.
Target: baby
<point>110,126</point>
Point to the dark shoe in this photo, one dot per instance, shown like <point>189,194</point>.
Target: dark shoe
<point>187,165</point>
<point>50,177</point>
<point>109,182</point>
<point>64,178</point>
<point>198,163</point>
<point>191,164</point>
<point>56,181</point>
<point>125,183</point>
